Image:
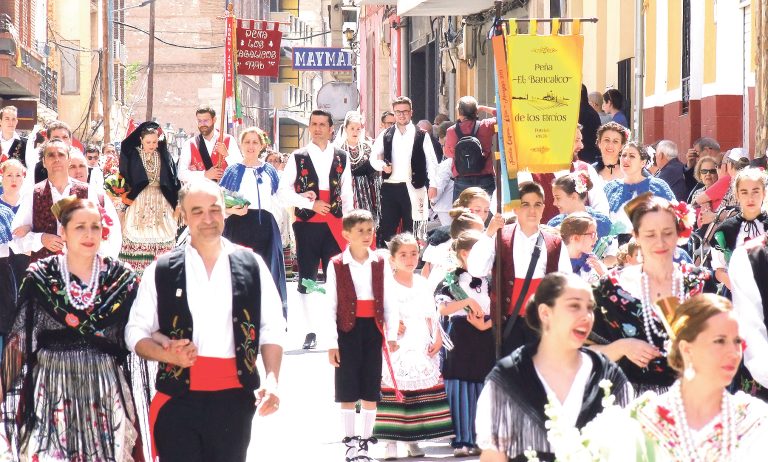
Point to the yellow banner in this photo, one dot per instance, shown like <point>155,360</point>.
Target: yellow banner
<point>544,74</point>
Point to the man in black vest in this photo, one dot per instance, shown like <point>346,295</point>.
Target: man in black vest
<point>12,146</point>
<point>407,159</point>
<point>204,311</point>
<point>317,181</point>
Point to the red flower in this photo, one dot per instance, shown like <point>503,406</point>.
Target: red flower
<point>168,367</point>
<point>252,333</point>
<point>339,170</point>
<point>72,320</point>
<point>665,415</point>
<point>55,289</point>
<point>304,172</point>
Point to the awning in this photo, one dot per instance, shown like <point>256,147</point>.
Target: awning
<point>442,7</point>
<point>292,118</point>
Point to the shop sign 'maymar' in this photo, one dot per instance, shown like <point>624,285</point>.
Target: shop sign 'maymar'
<point>315,59</point>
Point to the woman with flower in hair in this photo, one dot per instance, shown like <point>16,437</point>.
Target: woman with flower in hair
<point>149,226</point>
<point>64,369</point>
<point>697,419</point>
<point>628,323</point>
<point>570,196</point>
<point>556,369</point>
<point>252,205</point>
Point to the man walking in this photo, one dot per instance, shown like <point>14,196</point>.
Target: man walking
<point>317,180</point>
<point>204,311</point>
<point>206,155</point>
<point>407,159</point>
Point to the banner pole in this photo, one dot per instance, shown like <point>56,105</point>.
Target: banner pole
<point>497,322</point>
<point>223,114</point>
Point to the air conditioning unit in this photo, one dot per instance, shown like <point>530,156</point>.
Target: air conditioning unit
<point>119,52</point>
<point>467,43</point>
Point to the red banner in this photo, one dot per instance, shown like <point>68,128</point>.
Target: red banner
<point>229,69</point>
<point>258,48</point>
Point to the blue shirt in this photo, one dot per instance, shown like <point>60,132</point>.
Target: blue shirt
<point>619,193</point>
<point>620,118</point>
<point>603,221</point>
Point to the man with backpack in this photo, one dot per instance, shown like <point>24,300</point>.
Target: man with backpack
<point>469,143</point>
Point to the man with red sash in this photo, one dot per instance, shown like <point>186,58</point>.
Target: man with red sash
<point>34,221</point>
<point>205,311</point>
<point>518,243</point>
<point>205,154</point>
<point>317,181</point>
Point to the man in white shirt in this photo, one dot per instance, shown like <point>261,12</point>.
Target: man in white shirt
<point>317,180</point>
<point>206,155</point>
<point>519,240</point>
<point>216,307</point>
<point>95,176</point>
<point>34,221</point>
<point>12,146</point>
<point>407,159</point>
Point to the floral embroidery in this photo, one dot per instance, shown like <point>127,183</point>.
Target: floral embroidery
<point>303,182</point>
<point>249,344</point>
<point>665,415</point>
<point>170,371</point>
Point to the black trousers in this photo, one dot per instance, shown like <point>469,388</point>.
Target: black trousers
<point>205,426</point>
<point>359,373</point>
<point>315,244</point>
<point>395,208</point>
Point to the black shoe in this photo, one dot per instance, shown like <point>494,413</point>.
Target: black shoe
<point>310,341</point>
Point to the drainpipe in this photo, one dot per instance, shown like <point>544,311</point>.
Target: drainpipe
<point>639,69</point>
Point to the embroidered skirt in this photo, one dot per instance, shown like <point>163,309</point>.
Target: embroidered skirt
<point>423,415</point>
<point>83,410</point>
<point>149,229</point>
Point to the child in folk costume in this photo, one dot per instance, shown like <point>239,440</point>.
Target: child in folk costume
<point>579,232</point>
<point>466,300</point>
<point>439,259</point>
<point>422,412</point>
<point>356,282</point>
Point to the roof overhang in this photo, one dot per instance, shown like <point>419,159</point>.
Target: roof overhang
<point>291,118</point>
<point>442,7</point>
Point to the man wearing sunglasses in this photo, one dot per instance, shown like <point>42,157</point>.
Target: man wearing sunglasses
<point>92,158</point>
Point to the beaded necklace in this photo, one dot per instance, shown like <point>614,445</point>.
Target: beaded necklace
<point>85,298</point>
<point>649,309</point>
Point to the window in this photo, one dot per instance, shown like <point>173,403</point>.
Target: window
<point>70,69</point>
<point>624,85</point>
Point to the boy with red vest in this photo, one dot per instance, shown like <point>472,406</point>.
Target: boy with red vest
<point>357,280</point>
<point>206,154</point>
<point>519,240</point>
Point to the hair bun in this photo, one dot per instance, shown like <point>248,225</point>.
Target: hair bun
<point>631,206</point>
<point>62,205</point>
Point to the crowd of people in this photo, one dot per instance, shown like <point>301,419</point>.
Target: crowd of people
<point>628,287</point>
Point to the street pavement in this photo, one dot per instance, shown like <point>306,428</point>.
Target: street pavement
<point>308,424</point>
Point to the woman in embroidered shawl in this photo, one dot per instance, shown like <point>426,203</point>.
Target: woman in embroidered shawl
<point>628,326</point>
<point>66,386</point>
<point>251,222</point>
<point>366,181</point>
<point>149,227</point>
<point>611,137</point>
<point>697,419</point>
<point>510,411</point>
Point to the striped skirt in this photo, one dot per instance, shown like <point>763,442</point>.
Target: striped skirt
<point>462,398</point>
<point>423,415</point>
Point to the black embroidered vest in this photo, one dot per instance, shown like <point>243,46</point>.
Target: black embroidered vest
<point>176,320</point>
<point>307,180</point>
<point>418,157</point>
<point>17,150</point>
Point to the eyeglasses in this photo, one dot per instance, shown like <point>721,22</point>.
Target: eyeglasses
<point>405,112</point>
<point>92,157</point>
<point>592,234</point>
<point>708,171</point>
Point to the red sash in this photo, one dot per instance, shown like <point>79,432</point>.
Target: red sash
<point>517,288</point>
<point>334,224</point>
<point>207,374</point>
<point>196,161</point>
<point>365,309</point>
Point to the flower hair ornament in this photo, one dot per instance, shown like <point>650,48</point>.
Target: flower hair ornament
<point>106,223</point>
<point>61,204</point>
<point>686,217</point>
<point>580,183</point>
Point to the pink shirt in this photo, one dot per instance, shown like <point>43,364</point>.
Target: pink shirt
<point>717,191</point>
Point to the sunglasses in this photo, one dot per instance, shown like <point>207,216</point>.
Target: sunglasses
<point>708,171</point>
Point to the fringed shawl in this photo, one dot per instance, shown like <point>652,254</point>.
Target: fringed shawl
<point>518,404</point>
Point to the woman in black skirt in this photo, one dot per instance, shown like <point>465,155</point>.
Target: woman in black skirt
<point>252,223</point>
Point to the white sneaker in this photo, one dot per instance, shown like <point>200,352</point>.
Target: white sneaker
<point>414,450</point>
<point>390,452</point>
<point>461,452</point>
